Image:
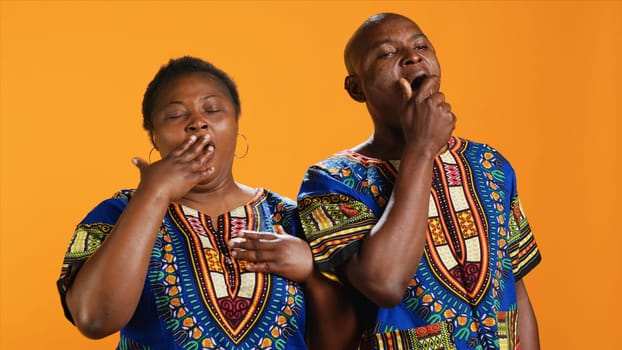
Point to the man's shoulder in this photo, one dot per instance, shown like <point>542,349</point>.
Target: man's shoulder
<point>478,146</point>
<point>350,160</point>
<point>278,200</point>
<point>337,158</point>
<point>483,154</point>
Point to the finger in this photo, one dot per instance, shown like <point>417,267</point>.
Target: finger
<point>253,241</point>
<point>406,89</point>
<point>198,148</point>
<point>253,255</point>
<point>205,172</point>
<point>445,107</point>
<point>235,241</point>
<point>428,88</point>
<point>259,267</point>
<point>257,235</point>
<point>184,146</point>
<point>206,155</point>
<point>201,164</point>
<point>140,163</point>
<point>438,97</point>
<point>239,243</point>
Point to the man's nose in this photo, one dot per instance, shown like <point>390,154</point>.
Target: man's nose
<point>411,56</point>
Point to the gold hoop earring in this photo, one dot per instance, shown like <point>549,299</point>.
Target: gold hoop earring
<point>150,152</point>
<point>247,147</point>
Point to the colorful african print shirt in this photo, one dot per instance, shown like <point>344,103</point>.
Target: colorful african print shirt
<point>196,296</point>
<point>478,244</point>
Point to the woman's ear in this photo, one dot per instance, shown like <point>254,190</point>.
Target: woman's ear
<point>153,140</point>
<point>353,87</point>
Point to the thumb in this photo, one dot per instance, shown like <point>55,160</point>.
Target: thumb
<point>406,90</point>
<point>278,229</point>
<point>140,163</point>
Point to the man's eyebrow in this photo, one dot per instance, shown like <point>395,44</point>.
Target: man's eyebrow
<point>389,40</point>
<point>418,35</point>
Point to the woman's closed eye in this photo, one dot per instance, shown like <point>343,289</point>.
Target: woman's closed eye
<point>175,115</point>
<point>211,110</point>
<point>212,106</point>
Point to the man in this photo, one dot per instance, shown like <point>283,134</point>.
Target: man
<point>426,226</point>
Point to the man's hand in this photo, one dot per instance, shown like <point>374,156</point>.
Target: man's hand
<point>427,119</point>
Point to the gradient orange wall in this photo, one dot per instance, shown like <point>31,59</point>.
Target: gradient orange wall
<point>541,81</point>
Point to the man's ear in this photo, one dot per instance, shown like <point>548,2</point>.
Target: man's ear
<point>352,85</point>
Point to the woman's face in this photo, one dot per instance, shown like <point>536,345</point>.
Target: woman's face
<point>196,104</point>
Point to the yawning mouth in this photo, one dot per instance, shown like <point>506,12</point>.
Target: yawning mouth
<point>416,84</point>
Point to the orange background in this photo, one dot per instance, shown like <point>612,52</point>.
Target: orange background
<point>541,81</point>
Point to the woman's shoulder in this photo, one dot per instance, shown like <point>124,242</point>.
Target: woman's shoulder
<point>109,209</point>
<point>120,197</point>
<point>124,194</point>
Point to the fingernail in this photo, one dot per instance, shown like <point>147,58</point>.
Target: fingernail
<point>238,240</point>
<point>135,161</point>
<point>193,137</point>
<point>210,148</point>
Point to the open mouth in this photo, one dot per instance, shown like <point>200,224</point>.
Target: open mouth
<point>416,84</point>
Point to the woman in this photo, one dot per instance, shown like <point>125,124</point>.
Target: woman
<point>153,263</point>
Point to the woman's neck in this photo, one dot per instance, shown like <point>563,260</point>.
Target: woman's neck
<point>218,200</point>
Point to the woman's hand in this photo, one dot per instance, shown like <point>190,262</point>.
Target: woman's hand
<point>279,253</point>
<point>179,171</point>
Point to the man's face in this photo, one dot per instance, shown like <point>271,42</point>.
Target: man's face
<point>386,51</point>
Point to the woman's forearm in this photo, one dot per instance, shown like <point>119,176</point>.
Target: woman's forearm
<point>106,290</point>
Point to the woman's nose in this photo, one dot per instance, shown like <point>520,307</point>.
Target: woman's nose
<point>196,123</point>
<point>411,56</point>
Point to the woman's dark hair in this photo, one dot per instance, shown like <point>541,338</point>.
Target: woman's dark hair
<point>180,66</point>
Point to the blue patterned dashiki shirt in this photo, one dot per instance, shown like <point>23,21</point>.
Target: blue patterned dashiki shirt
<point>196,296</point>
<point>478,244</point>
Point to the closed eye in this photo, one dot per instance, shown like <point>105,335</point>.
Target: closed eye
<point>176,115</point>
<point>211,110</point>
<point>386,54</point>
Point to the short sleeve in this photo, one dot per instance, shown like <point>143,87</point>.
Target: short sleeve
<point>87,238</point>
<point>284,212</point>
<point>523,250</point>
<point>334,219</point>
